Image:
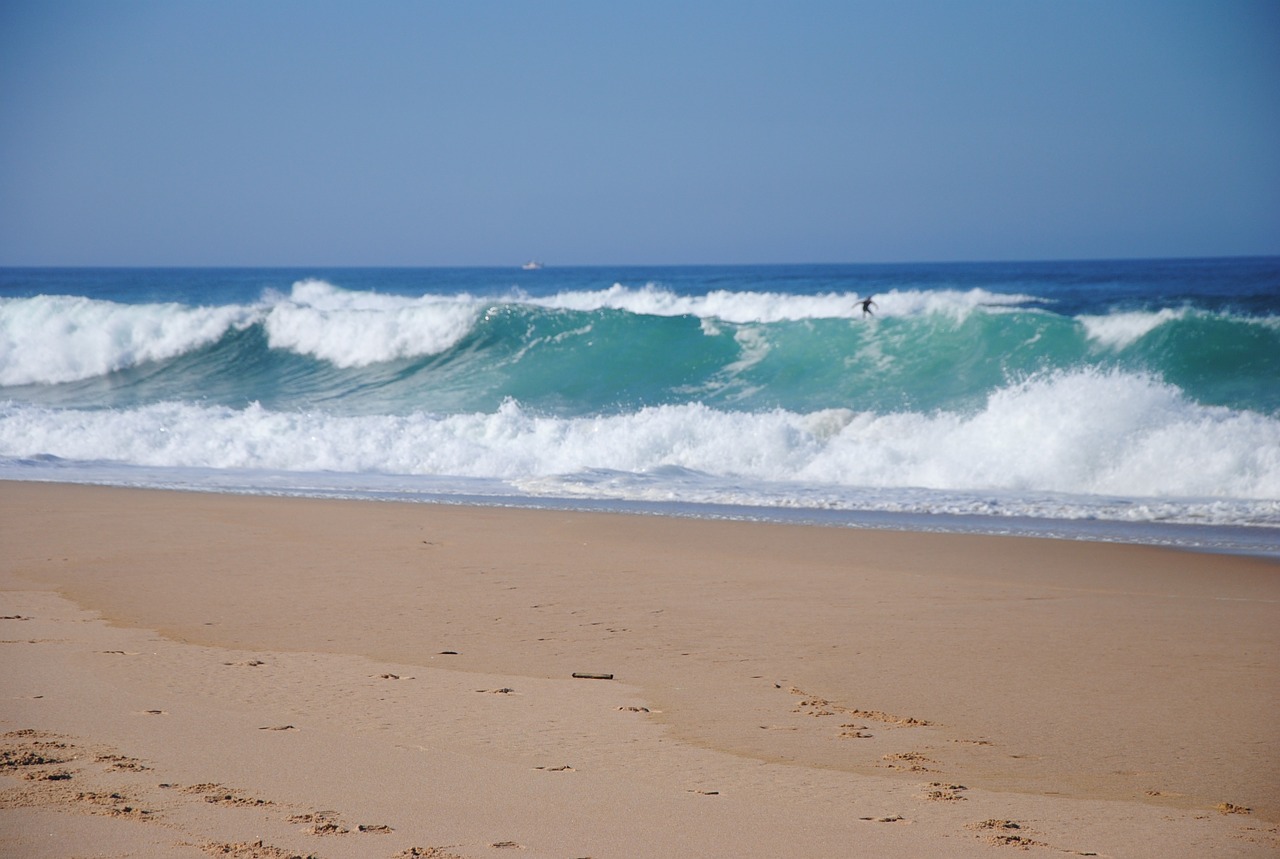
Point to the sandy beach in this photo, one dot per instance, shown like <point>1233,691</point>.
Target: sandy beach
<point>190,674</point>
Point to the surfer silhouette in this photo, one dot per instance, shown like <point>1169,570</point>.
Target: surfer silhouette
<point>867,304</point>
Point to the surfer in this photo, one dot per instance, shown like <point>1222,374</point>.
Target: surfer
<point>867,304</point>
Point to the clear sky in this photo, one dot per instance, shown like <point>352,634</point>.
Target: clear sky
<point>375,132</point>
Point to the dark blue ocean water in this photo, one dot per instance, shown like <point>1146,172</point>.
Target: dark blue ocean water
<point>1139,391</point>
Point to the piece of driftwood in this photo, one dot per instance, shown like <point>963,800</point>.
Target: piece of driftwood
<point>588,676</point>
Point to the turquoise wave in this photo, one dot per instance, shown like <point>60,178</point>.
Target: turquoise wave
<point>566,362</point>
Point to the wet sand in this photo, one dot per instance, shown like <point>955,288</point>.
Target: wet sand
<point>190,674</point>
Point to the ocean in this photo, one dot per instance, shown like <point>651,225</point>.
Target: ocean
<point>1122,400</point>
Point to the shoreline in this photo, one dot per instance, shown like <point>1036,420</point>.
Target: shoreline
<point>1260,541</point>
<point>1106,697</point>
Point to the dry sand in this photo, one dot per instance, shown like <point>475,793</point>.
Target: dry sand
<point>189,675</point>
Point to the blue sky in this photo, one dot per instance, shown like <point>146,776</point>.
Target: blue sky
<point>192,132</point>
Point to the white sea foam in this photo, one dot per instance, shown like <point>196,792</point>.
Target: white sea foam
<point>1082,432</point>
<point>1118,330</point>
<point>57,338</point>
<point>1103,435</point>
<point>356,329</point>
<point>53,339</point>
<point>50,339</point>
<point>748,307</point>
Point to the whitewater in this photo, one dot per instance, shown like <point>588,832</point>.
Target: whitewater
<point>1126,400</point>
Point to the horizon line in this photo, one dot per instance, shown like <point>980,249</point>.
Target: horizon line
<point>553,266</point>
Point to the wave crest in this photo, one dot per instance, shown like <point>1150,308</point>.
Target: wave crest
<point>766,307</point>
<point>1080,432</point>
<point>358,329</point>
<point>55,338</point>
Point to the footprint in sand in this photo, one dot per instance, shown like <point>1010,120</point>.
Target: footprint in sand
<point>1021,841</point>
<point>216,794</point>
<point>113,804</point>
<point>992,823</point>
<point>322,823</point>
<point>58,775</point>
<point>1006,833</point>
<point>812,705</point>
<point>246,850</point>
<point>909,761</point>
<point>937,791</point>
<point>203,787</point>
<point>237,801</point>
<point>121,763</point>
<point>11,759</point>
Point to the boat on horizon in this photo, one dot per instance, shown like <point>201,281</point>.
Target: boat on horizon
<point>532,265</point>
